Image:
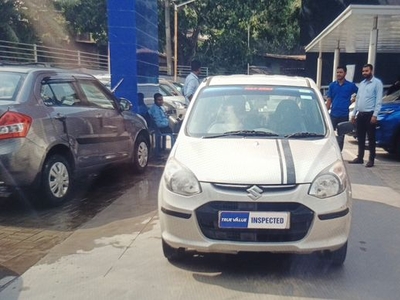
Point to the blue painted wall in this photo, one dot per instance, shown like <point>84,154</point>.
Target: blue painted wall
<point>133,42</point>
<point>147,41</point>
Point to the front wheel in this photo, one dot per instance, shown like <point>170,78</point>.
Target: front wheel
<point>140,154</point>
<point>56,181</point>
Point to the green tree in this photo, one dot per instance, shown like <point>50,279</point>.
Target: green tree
<point>14,24</point>
<point>86,16</point>
<point>226,35</point>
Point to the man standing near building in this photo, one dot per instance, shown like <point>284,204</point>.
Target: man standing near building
<point>368,104</point>
<point>192,81</point>
<point>339,99</point>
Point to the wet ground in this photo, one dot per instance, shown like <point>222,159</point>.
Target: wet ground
<point>28,233</point>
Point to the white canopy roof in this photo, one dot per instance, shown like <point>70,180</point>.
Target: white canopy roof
<point>351,30</point>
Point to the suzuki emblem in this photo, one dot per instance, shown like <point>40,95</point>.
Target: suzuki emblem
<point>254,192</point>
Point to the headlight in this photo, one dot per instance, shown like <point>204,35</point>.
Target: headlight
<point>330,182</point>
<point>180,179</point>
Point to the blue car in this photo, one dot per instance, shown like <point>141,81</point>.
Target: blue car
<point>388,130</point>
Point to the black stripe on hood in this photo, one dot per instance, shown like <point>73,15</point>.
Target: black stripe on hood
<point>280,159</point>
<point>291,173</point>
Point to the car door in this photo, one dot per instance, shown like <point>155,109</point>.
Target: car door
<point>74,121</point>
<point>116,136</point>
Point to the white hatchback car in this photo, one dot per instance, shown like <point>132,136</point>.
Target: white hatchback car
<point>256,167</point>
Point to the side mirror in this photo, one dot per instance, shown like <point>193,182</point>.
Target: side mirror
<point>125,104</point>
<point>344,128</point>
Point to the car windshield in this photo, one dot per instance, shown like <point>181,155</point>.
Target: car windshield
<point>170,89</point>
<point>392,98</point>
<point>165,91</point>
<point>9,85</point>
<point>268,111</point>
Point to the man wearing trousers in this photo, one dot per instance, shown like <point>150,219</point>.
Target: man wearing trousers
<point>339,97</point>
<point>368,104</point>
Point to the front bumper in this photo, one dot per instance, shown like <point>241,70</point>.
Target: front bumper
<point>316,224</point>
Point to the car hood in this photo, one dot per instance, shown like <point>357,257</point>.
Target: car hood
<point>387,109</point>
<point>256,161</point>
<point>175,98</point>
<point>388,106</point>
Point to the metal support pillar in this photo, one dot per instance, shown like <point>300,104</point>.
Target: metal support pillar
<point>373,43</point>
<point>319,69</point>
<point>336,61</point>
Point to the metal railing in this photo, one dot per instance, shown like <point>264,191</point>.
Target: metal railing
<point>33,53</point>
<point>183,71</point>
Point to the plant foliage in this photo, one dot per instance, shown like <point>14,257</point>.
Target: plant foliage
<point>87,16</point>
<point>14,24</point>
<point>226,35</point>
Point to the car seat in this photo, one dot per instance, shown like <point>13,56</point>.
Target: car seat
<point>287,118</point>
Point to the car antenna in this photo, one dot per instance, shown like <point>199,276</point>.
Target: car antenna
<point>118,84</point>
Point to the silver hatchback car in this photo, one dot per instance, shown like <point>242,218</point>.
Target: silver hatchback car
<point>56,125</point>
<point>256,167</point>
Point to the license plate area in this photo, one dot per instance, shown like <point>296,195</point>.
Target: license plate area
<point>254,219</point>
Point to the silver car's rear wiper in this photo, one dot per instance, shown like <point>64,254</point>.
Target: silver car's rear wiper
<point>242,133</point>
<point>300,135</point>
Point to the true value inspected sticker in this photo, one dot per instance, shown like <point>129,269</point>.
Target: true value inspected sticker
<point>254,219</point>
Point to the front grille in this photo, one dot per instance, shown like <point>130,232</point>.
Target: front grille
<point>300,221</point>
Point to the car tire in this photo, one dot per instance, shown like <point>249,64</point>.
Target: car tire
<point>56,183</point>
<point>172,254</point>
<point>141,154</point>
<point>337,257</point>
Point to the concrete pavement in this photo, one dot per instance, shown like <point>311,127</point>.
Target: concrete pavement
<point>110,256</point>
<point>378,184</point>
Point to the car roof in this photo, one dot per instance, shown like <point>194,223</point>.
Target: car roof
<point>22,68</point>
<point>259,79</point>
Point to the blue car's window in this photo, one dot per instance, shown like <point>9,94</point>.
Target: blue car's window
<point>279,111</point>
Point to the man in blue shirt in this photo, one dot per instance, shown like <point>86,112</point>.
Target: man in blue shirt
<point>160,119</point>
<point>339,99</point>
<point>192,81</point>
<point>159,115</point>
<point>368,105</point>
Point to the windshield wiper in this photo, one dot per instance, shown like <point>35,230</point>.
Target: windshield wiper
<point>242,133</point>
<point>300,135</point>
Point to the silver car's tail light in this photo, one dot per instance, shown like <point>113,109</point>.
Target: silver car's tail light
<point>14,125</point>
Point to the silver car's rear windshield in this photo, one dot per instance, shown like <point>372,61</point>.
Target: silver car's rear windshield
<point>9,85</point>
<point>269,111</point>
